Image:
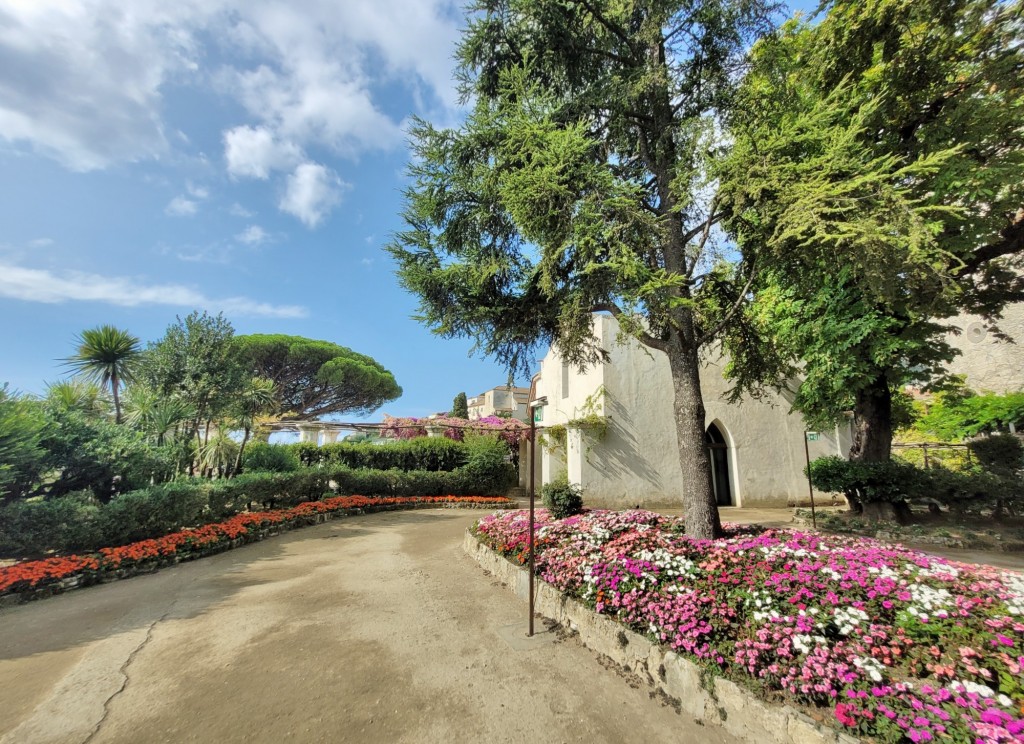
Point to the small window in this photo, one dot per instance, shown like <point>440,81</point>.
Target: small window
<point>565,380</point>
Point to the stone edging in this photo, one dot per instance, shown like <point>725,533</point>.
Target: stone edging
<point>710,700</point>
<point>82,580</point>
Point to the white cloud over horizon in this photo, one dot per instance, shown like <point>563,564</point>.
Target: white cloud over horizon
<point>311,191</point>
<point>41,285</point>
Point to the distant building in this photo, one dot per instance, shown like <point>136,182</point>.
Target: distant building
<point>499,400</point>
<point>756,447</point>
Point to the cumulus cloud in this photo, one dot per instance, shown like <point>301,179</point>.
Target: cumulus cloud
<point>40,285</point>
<point>253,152</point>
<point>179,206</point>
<point>311,191</point>
<point>84,81</point>
<point>253,235</point>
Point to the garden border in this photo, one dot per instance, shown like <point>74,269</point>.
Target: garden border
<point>91,578</point>
<point>710,700</point>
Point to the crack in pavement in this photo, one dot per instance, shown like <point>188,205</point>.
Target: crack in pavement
<point>124,673</point>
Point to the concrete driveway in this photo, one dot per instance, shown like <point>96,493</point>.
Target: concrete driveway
<point>370,629</point>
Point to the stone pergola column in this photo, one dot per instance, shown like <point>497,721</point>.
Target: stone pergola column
<point>309,433</point>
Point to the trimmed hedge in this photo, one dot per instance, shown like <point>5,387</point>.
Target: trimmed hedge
<point>78,522</point>
<point>423,453</point>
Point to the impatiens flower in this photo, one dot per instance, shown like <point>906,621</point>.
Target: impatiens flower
<point>914,647</point>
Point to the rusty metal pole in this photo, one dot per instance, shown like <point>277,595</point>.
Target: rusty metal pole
<point>533,470</point>
<point>810,486</point>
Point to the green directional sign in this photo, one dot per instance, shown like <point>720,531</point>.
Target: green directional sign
<point>813,436</point>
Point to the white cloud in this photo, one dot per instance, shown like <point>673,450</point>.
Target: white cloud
<point>199,192</point>
<point>84,81</point>
<point>41,242</point>
<point>253,235</point>
<point>311,191</point>
<point>367,262</point>
<point>254,152</point>
<point>237,210</point>
<point>179,206</point>
<point>40,285</point>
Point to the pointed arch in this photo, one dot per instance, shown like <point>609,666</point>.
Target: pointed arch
<point>722,453</point>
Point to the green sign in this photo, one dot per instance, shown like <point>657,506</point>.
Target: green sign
<point>812,436</point>
<point>538,414</point>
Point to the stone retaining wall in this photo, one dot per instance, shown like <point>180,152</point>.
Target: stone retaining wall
<point>710,700</point>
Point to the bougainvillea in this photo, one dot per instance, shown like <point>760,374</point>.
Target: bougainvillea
<point>898,645</point>
<point>509,430</point>
<point>32,574</point>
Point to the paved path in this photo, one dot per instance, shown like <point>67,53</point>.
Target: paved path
<point>371,629</point>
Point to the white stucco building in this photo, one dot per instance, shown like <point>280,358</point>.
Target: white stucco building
<point>503,399</point>
<point>757,447</point>
<point>990,364</point>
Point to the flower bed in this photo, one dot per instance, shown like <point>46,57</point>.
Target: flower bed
<point>898,645</point>
<point>30,578</point>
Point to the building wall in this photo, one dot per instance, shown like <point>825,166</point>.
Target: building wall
<point>637,463</point>
<point>991,365</point>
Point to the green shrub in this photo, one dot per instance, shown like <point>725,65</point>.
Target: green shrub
<point>422,453</point>
<point>155,511</point>
<point>271,458</point>
<point>867,482</point>
<point>487,471</point>
<point>32,528</point>
<point>1001,454</point>
<point>562,498</point>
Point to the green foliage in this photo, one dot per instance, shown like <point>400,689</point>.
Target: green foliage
<point>78,394</point>
<point>155,511</point>
<point>107,355</point>
<point>66,524</point>
<point>196,362</point>
<point>314,378</point>
<point>274,458</point>
<point>582,180</point>
<point>460,407</point>
<point>865,482</point>
<point>562,498</point>
<point>875,179</point>
<point>1000,454</point>
<point>422,453</point>
<point>487,470</point>
<point>22,456</point>
<point>961,414</point>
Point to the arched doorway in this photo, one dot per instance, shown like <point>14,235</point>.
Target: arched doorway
<point>718,449</point>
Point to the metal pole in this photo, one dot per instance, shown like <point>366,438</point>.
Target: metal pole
<point>810,487</point>
<point>924,448</point>
<point>533,470</point>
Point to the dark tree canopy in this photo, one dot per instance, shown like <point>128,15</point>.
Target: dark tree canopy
<point>315,378</point>
<point>582,181</point>
<point>877,176</point>
<point>460,406</point>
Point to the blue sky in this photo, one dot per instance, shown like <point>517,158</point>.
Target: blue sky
<point>244,157</point>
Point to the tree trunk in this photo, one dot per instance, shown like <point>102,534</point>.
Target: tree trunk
<point>117,399</point>
<point>872,422</point>
<point>241,449</point>
<point>702,520</point>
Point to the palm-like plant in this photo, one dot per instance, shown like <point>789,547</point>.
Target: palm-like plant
<point>78,395</point>
<point>217,453</point>
<point>107,355</point>
<point>155,415</point>
<point>258,399</point>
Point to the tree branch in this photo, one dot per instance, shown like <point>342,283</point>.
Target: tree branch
<point>645,338</point>
<point>1011,241</point>
<point>704,338</point>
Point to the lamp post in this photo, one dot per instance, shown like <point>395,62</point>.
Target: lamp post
<point>533,405</point>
